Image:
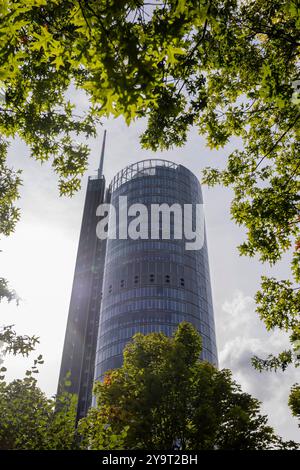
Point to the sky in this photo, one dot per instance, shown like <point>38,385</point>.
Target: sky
<point>39,260</point>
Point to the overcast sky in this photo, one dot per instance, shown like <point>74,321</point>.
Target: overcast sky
<point>39,259</point>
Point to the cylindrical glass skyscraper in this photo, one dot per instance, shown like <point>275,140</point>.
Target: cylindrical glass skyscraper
<point>153,284</point>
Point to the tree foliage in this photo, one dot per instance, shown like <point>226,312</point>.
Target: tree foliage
<point>226,67</point>
<point>5,292</point>
<point>161,398</point>
<point>294,401</point>
<point>29,420</point>
<point>167,396</point>
<point>32,421</point>
<point>10,341</point>
<point>96,434</point>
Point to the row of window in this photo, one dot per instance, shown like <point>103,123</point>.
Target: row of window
<point>174,244</point>
<point>111,363</point>
<point>114,350</point>
<point>127,247</point>
<point>153,198</point>
<point>199,299</point>
<point>200,268</point>
<point>185,192</point>
<point>127,252</point>
<point>137,281</point>
<point>172,191</point>
<point>165,182</point>
<point>152,279</point>
<point>145,274</point>
<point>119,334</point>
<point>150,304</point>
<point>159,318</point>
<point>150,261</point>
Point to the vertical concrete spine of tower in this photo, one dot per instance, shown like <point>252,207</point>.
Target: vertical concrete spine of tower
<point>78,357</point>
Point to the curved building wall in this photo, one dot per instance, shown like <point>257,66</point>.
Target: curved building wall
<point>153,285</point>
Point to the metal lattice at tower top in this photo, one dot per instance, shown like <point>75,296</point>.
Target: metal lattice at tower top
<point>142,168</point>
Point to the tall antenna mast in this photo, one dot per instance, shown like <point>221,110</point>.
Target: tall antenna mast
<point>100,169</point>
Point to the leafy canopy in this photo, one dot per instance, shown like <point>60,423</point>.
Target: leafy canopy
<point>294,401</point>
<point>10,341</point>
<point>29,420</point>
<point>164,396</point>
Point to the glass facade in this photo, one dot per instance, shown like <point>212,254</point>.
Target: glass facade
<point>153,285</point>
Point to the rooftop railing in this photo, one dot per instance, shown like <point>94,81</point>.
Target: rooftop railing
<point>139,169</point>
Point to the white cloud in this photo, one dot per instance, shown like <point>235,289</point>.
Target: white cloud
<point>241,335</point>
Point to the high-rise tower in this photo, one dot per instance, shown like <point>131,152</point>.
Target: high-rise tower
<point>124,286</point>
<point>153,285</point>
